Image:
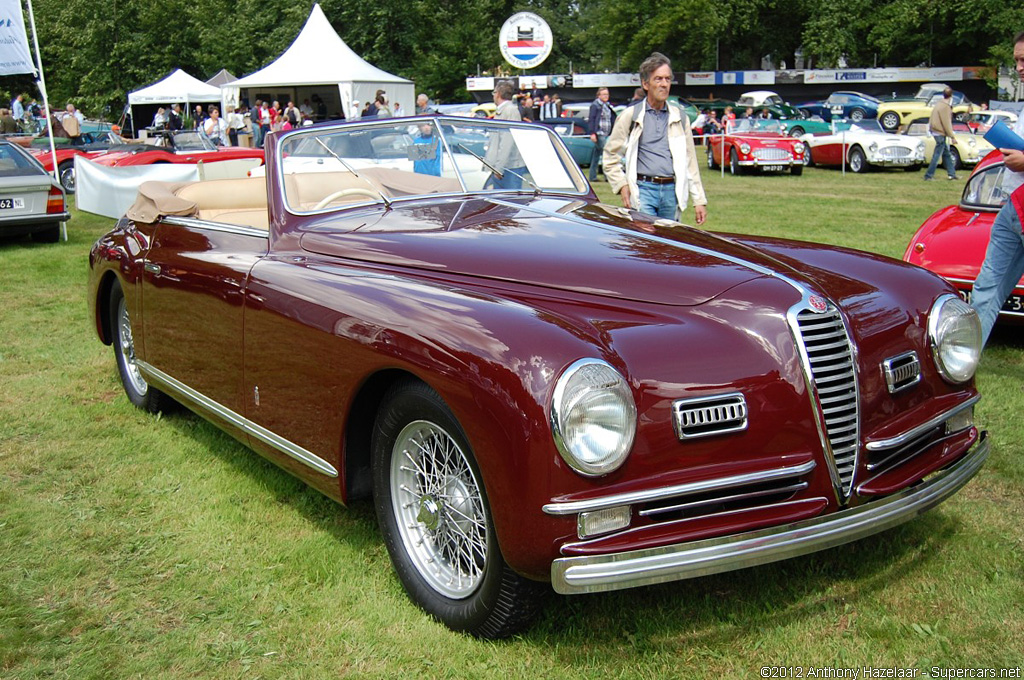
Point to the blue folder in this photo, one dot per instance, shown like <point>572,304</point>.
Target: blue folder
<point>1002,137</point>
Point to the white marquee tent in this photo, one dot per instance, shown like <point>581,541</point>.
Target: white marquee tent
<point>319,57</point>
<point>177,87</point>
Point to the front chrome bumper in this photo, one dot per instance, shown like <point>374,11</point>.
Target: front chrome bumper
<point>574,575</point>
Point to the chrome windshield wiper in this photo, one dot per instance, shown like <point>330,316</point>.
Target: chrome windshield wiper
<point>500,174</point>
<point>387,203</point>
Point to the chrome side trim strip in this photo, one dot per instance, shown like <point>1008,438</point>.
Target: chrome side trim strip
<point>165,382</point>
<point>901,439</point>
<point>587,574</point>
<point>690,488</point>
<point>196,223</point>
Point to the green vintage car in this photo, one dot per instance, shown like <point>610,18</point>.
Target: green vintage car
<point>573,132</point>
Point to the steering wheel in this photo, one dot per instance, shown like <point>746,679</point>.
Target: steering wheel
<point>326,200</point>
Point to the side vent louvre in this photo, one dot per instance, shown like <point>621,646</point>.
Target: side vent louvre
<point>902,371</point>
<point>708,416</point>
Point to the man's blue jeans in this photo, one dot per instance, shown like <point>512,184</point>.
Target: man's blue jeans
<point>595,156</point>
<point>941,149</point>
<point>1002,269</point>
<point>657,199</point>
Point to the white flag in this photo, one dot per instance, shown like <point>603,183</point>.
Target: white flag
<point>14,54</point>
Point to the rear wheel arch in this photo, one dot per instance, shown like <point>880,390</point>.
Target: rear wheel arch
<point>104,315</point>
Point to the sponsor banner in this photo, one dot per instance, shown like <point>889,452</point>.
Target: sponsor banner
<point>533,82</point>
<point>14,54</point>
<point>939,74</point>
<point>606,80</point>
<point>525,40</point>
<point>479,83</point>
<point>701,78</point>
<point>758,77</point>
<point>852,75</point>
<point>726,78</point>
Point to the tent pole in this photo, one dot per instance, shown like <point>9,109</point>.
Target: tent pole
<point>46,106</point>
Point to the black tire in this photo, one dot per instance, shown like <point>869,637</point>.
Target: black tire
<point>857,114</point>
<point>734,162</point>
<point>890,121</point>
<point>857,161</point>
<point>139,392</point>
<point>796,131</point>
<point>51,234</point>
<point>426,539</point>
<point>711,158</point>
<point>66,175</point>
<point>796,170</point>
<point>957,161</point>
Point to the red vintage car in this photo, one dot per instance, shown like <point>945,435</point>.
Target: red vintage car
<point>952,242</point>
<point>182,146</point>
<point>756,144</point>
<point>92,144</point>
<point>537,389</point>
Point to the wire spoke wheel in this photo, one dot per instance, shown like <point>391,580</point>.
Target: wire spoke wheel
<point>126,347</point>
<point>439,509</point>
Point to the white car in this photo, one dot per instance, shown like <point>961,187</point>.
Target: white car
<point>862,144</point>
<point>983,120</point>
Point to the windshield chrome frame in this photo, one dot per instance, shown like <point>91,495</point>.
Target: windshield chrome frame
<point>437,120</point>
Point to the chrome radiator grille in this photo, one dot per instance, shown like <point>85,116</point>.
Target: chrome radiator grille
<point>894,152</point>
<point>829,356</point>
<point>771,154</point>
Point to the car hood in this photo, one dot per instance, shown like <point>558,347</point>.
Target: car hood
<point>557,243</point>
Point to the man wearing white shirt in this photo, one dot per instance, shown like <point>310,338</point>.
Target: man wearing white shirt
<point>1004,259</point>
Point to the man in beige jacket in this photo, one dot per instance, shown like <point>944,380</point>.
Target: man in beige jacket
<point>662,173</point>
<point>941,126</point>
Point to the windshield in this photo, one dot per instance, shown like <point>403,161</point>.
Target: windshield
<point>757,125</point>
<point>193,140</point>
<point>985,189</point>
<point>330,167</point>
<point>859,126</point>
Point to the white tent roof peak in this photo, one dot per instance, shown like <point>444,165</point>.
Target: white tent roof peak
<point>316,57</point>
<point>177,87</point>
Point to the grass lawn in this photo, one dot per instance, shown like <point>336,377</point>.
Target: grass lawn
<point>136,546</point>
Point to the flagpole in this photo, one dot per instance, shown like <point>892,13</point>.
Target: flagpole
<point>46,105</point>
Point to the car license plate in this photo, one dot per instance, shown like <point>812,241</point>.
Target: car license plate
<point>1014,303</point>
<point>902,161</point>
<point>773,168</point>
<point>12,203</point>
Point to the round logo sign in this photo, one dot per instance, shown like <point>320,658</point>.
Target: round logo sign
<point>818,303</point>
<point>525,40</point>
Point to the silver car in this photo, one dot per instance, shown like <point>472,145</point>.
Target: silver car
<point>31,201</point>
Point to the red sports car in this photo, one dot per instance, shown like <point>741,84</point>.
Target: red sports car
<point>93,144</point>
<point>952,242</point>
<point>183,146</point>
<point>760,144</point>
<point>534,387</point>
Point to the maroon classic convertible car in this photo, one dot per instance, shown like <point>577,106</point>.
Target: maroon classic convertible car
<point>532,386</point>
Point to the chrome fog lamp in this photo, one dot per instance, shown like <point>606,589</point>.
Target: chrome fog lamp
<point>598,522</point>
<point>954,330</point>
<point>593,417</point>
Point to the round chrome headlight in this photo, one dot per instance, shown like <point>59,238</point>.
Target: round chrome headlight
<point>874,147</point>
<point>744,148</point>
<point>593,417</point>
<point>954,330</point>
<point>798,148</point>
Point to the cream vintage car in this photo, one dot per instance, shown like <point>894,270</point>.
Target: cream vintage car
<point>968,150</point>
<point>894,114</point>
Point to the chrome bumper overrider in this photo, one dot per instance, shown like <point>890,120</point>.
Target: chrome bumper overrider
<point>573,575</point>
